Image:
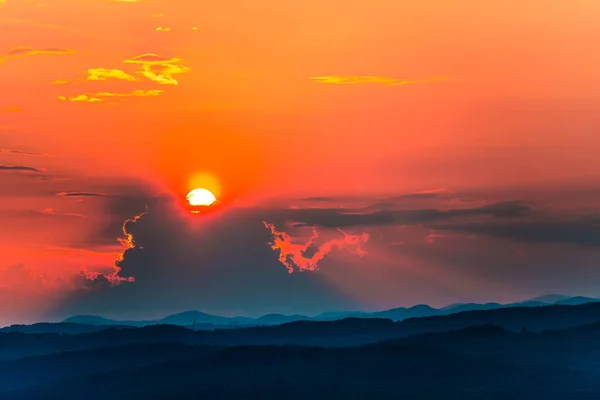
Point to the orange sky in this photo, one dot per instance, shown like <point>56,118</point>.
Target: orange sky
<point>284,99</point>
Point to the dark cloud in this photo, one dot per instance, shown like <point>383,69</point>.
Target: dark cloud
<point>580,231</point>
<point>18,168</point>
<point>438,194</point>
<point>320,199</point>
<point>80,194</point>
<point>425,195</point>
<point>223,262</point>
<point>220,262</point>
<point>337,218</point>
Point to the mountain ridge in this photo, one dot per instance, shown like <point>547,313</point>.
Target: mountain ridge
<point>202,320</point>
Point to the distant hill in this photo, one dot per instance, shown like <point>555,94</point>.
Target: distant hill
<point>61,327</point>
<point>277,319</point>
<point>574,301</point>
<point>339,333</point>
<point>400,313</point>
<point>209,321</point>
<point>549,298</point>
<point>469,307</point>
<point>187,318</point>
<point>100,321</point>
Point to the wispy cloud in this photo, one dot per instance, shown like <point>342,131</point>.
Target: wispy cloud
<point>80,194</point>
<point>159,69</point>
<point>25,153</point>
<point>51,212</point>
<point>162,29</point>
<point>98,97</point>
<point>60,82</point>
<point>18,168</point>
<point>152,59</point>
<point>384,80</point>
<point>23,51</point>
<point>103,74</point>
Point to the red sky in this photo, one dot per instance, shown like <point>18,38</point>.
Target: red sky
<point>285,100</point>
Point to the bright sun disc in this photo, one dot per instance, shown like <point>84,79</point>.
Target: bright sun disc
<point>201,197</point>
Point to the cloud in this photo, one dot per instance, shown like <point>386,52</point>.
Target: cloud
<point>152,59</point>
<point>21,168</point>
<point>114,278</point>
<point>293,255</point>
<point>81,97</point>
<point>163,74</point>
<point>50,212</point>
<point>135,93</point>
<point>98,97</point>
<point>80,194</point>
<point>60,82</point>
<point>162,29</point>
<point>159,69</point>
<point>238,259</point>
<point>583,231</point>
<point>103,74</point>
<point>372,79</point>
<point>25,153</point>
<point>23,51</point>
<point>27,294</point>
<point>342,217</point>
<point>426,194</point>
<point>19,275</point>
<point>435,194</point>
<point>176,261</point>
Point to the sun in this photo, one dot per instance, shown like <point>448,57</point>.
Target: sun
<point>201,197</point>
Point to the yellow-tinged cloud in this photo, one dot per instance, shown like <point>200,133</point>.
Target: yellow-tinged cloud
<point>293,254</point>
<point>159,69</point>
<point>81,97</point>
<point>372,79</point>
<point>103,74</point>
<point>60,82</point>
<point>135,93</point>
<point>161,29</point>
<point>98,97</point>
<point>23,51</point>
<point>163,74</point>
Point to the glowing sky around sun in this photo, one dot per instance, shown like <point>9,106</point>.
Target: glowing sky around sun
<point>105,105</point>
